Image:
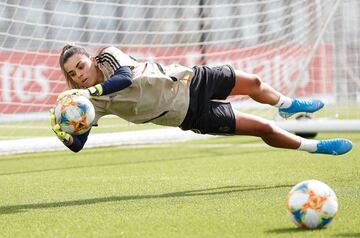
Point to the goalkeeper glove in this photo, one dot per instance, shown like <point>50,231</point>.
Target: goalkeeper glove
<point>93,91</point>
<point>62,135</point>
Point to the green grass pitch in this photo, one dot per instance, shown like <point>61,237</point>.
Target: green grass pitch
<point>222,187</point>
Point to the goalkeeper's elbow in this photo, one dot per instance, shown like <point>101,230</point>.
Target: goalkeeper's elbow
<point>75,149</point>
<point>78,142</point>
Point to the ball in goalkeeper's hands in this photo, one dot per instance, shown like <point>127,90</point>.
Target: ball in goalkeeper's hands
<point>75,114</point>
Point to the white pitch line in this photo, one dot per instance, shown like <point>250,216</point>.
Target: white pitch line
<point>146,138</point>
<point>220,145</point>
<point>129,138</point>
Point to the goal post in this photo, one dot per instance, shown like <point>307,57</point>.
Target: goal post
<point>303,48</point>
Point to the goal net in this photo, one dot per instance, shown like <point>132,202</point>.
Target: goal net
<point>303,48</point>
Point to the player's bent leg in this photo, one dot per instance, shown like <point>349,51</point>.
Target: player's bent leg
<point>253,86</point>
<point>270,133</point>
<point>298,105</point>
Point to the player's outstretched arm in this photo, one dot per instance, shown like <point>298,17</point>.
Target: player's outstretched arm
<point>120,80</point>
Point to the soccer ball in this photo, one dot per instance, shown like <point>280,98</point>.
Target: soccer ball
<point>312,204</point>
<point>75,114</point>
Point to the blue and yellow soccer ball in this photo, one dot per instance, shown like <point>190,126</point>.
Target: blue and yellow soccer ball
<point>312,204</point>
<point>75,114</point>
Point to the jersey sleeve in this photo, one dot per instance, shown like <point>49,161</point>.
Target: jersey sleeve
<point>120,80</point>
<point>110,59</point>
<point>78,142</point>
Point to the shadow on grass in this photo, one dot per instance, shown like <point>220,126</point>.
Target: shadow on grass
<point>192,157</point>
<point>84,202</point>
<point>299,230</point>
<point>291,230</point>
<point>349,234</point>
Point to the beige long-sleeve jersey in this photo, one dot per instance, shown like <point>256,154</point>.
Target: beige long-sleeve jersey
<point>158,94</point>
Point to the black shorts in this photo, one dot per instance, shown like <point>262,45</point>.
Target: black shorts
<point>206,115</point>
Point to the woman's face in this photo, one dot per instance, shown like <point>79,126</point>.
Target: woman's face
<point>83,70</point>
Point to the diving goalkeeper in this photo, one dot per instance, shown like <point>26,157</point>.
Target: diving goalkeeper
<point>174,95</point>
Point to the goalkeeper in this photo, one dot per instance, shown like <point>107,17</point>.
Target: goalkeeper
<point>174,95</point>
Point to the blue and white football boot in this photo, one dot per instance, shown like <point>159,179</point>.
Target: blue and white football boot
<point>298,105</point>
<point>334,146</point>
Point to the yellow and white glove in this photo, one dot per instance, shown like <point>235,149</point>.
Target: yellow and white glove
<point>62,135</point>
<point>93,91</point>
